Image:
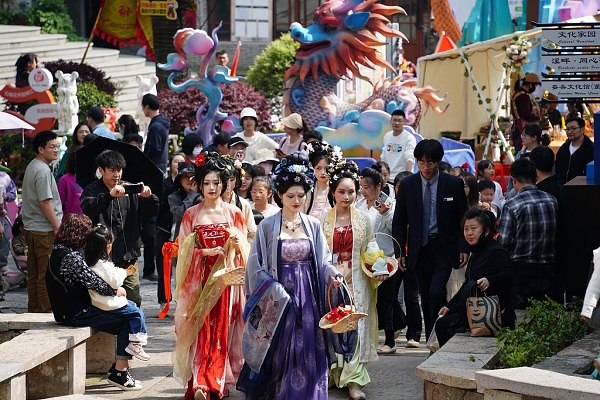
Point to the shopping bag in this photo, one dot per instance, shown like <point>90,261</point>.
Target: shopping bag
<point>483,314</point>
<point>433,343</point>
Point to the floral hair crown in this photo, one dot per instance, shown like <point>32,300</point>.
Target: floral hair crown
<point>342,169</point>
<point>293,167</point>
<point>317,149</point>
<point>213,161</point>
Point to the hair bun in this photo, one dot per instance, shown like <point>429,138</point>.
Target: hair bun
<point>377,167</point>
<point>342,169</point>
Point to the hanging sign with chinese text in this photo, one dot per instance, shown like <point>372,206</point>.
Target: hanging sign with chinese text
<point>159,8</point>
<point>562,62</point>
<point>578,89</point>
<point>572,36</point>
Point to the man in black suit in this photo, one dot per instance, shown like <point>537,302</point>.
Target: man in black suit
<point>433,205</point>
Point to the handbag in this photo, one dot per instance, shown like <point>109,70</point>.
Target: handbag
<point>483,315</point>
<point>433,344</point>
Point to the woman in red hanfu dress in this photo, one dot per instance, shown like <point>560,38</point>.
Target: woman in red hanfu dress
<point>208,320</point>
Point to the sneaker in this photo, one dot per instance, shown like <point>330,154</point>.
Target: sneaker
<point>136,350</point>
<point>111,369</point>
<point>413,344</point>
<point>124,380</point>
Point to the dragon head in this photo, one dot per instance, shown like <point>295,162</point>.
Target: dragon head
<point>343,37</point>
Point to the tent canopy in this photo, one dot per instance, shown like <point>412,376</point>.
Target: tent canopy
<point>444,71</point>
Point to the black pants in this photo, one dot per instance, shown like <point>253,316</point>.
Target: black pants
<point>161,237</point>
<point>414,321</point>
<point>390,314</point>
<point>448,326</point>
<point>535,281</point>
<point>432,271</point>
<point>147,234</point>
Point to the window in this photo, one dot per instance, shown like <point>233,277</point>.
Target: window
<point>219,10</point>
<point>252,20</point>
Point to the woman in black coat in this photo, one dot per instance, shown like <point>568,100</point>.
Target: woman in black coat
<point>488,269</point>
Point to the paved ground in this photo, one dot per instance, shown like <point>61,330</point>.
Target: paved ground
<point>393,377</point>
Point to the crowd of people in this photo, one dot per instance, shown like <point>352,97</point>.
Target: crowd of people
<point>303,223</point>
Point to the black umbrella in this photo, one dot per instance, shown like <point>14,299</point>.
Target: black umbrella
<point>139,168</point>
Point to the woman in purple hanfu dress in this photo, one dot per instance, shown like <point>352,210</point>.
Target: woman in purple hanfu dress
<point>288,268</point>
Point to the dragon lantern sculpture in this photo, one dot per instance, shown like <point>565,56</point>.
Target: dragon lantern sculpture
<point>343,36</point>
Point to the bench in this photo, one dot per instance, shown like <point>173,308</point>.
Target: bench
<point>40,358</point>
<point>565,375</point>
<point>449,373</point>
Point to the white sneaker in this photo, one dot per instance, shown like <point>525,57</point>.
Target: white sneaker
<point>413,344</point>
<point>136,350</point>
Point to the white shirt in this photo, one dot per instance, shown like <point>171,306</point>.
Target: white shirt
<point>255,143</point>
<point>397,150</point>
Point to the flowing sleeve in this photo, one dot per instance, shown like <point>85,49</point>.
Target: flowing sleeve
<point>322,249</point>
<point>256,267</point>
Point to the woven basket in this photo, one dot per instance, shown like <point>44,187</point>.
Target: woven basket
<point>390,260</point>
<point>346,324</point>
<point>232,277</point>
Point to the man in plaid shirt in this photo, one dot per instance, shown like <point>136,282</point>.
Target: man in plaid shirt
<point>527,230</point>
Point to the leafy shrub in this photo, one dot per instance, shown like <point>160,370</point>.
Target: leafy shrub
<point>266,74</point>
<point>87,73</point>
<point>53,17</point>
<point>90,96</point>
<point>548,328</point>
<point>181,108</point>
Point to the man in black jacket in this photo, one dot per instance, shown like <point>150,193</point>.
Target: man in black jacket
<point>157,140</point>
<point>575,154</point>
<point>105,201</point>
<point>433,205</point>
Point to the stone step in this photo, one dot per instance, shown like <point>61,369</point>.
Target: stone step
<point>121,69</point>
<point>15,32</point>
<point>33,40</point>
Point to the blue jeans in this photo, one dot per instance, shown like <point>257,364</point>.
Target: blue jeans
<point>116,322</point>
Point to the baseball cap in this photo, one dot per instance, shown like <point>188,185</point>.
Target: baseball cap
<point>235,140</point>
<point>532,78</point>
<point>293,121</point>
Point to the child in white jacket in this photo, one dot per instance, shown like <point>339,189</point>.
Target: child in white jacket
<point>97,256</point>
<point>590,311</point>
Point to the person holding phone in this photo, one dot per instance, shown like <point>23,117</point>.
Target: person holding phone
<point>107,201</point>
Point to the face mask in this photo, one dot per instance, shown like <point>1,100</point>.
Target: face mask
<point>195,152</point>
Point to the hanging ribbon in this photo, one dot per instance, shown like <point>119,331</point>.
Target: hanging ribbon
<point>169,251</point>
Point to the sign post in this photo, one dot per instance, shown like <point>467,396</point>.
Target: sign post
<point>576,62</point>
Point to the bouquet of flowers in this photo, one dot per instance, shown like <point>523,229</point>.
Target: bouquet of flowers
<point>516,53</point>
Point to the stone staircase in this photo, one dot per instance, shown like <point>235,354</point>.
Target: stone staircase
<point>121,69</point>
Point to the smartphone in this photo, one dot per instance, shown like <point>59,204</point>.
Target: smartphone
<point>381,198</point>
<point>133,188</point>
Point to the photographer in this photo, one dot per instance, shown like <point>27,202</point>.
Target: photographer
<point>119,205</point>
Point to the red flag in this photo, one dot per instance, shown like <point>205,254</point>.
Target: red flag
<point>236,58</point>
<point>445,43</point>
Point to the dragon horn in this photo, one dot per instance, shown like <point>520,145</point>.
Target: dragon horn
<point>345,7</point>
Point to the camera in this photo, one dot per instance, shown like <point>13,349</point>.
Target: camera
<point>133,188</point>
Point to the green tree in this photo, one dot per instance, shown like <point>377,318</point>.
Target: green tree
<point>266,74</point>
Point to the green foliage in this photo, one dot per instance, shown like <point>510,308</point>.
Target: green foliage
<point>53,17</point>
<point>89,96</point>
<point>548,328</point>
<point>266,74</point>
<point>14,155</point>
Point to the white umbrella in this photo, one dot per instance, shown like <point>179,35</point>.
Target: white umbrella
<point>11,122</point>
